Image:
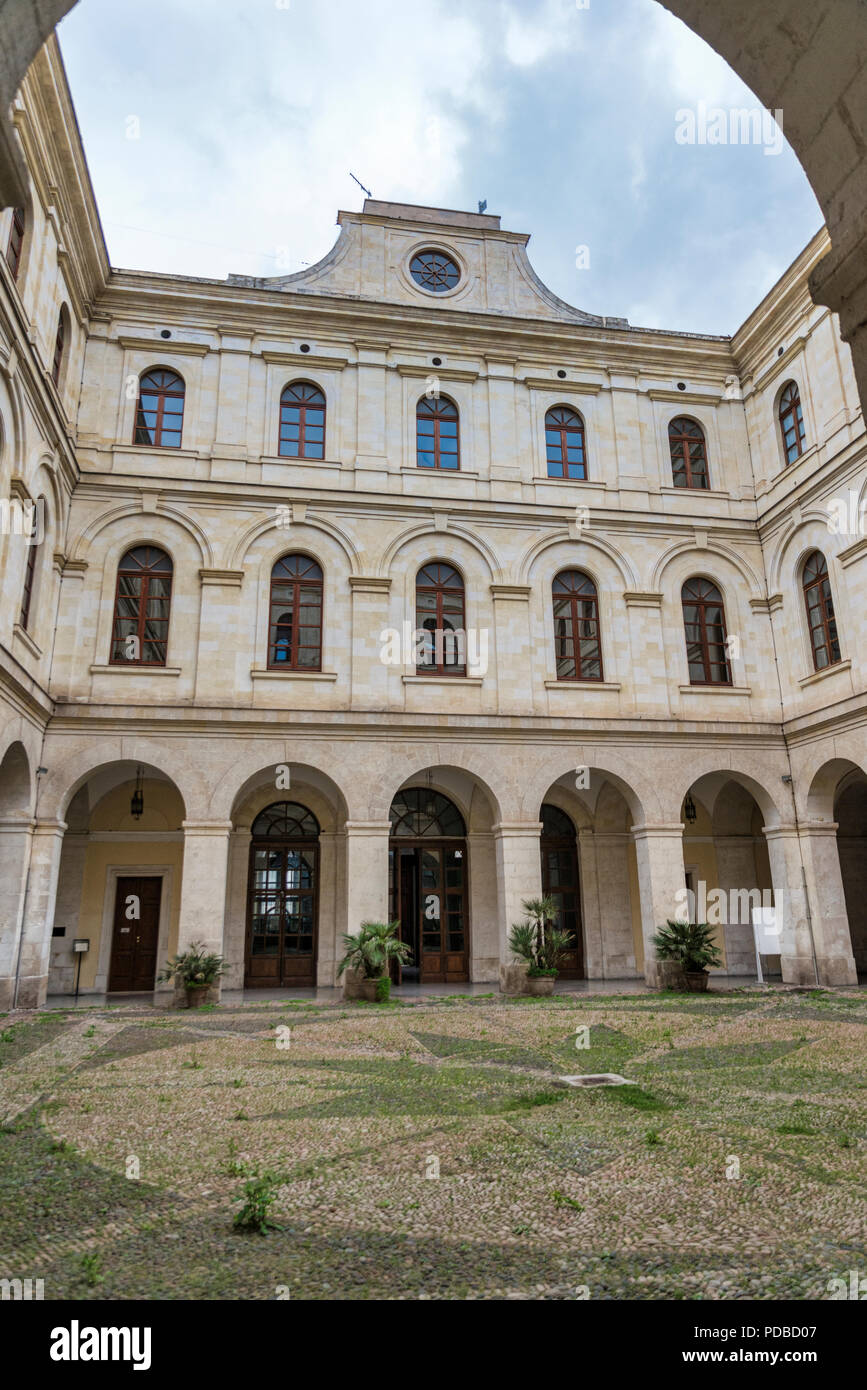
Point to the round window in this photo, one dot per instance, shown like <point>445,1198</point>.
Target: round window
<point>434,271</point>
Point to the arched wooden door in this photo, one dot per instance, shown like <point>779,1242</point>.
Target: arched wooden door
<point>282,898</point>
<point>561,882</point>
<point>428,886</point>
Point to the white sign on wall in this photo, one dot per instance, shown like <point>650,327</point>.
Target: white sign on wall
<point>766,934</point>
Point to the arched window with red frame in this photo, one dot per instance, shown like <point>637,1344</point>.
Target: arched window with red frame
<point>564,443</point>
<point>437,434</point>
<point>577,645</point>
<point>704,626</point>
<point>792,422</point>
<point>59,346</point>
<point>159,417</point>
<point>688,453</point>
<point>141,608</point>
<point>15,245</point>
<point>302,422</point>
<point>439,616</point>
<point>824,639</point>
<point>34,540</point>
<point>295,615</point>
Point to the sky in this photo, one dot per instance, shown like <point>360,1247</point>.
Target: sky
<point>220,138</point>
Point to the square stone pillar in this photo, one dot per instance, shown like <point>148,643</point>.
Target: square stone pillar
<point>659,853</point>
<point>203,886</point>
<point>15,840</point>
<point>790,900</point>
<point>512,644</point>
<point>38,917</point>
<point>366,882</point>
<point>235,934</point>
<point>614,956</point>
<point>63,966</point>
<point>831,935</point>
<point>736,874</point>
<point>519,874</point>
<point>370,618</point>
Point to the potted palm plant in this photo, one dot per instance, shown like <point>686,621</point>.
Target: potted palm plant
<point>370,954</point>
<point>195,972</point>
<point>540,944</point>
<point>689,945</point>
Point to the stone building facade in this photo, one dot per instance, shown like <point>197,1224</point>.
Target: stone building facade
<point>251,495</point>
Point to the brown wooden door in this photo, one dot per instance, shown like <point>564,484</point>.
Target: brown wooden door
<point>282,912</point>
<point>429,891</point>
<point>560,881</point>
<point>135,934</point>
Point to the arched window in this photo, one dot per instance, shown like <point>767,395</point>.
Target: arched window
<point>295,623</point>
<point>59,346</point>
<point>436,423</point>
<point>16,242</point>
<point>688,453</point>
<point>417,812</point>
<point>302,422</point>
<point>792,422</point>
<point>577,647</point>
<point>820,612</point>
<point>33,544</point>
<point>141,608</point>
<point>439,614</point>
<point>159,418</point>
<point>564,443</point>
<point>704,625</point>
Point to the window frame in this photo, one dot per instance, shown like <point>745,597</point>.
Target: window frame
<point>685,440</point>
<point>439,588</point>
<point>565,429</point>
<point>826,603</point>
<point>163,394</point>
<point>60,346</point>
<point>702,602</point>
<point>15,244</point>
<point>575,597</point>
<point>302,406</point>
<point>298,581</point>
<point>27,589</point>
<point>430,408</point>
<point>797,409</point>
<point>145,573</point>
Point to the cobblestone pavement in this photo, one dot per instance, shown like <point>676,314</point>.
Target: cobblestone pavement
<point>429,1149</point>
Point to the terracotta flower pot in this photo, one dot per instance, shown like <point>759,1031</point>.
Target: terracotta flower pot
<point>370,990</point>
<point>540,984</point>
<point>696,981</point>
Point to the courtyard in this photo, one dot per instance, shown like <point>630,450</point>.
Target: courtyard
<point>429,1149</point>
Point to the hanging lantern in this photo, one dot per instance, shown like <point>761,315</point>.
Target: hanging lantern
<point>136,801</point>
<point>689,811</point>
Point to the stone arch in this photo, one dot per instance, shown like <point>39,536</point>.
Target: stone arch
<point>636,788</point>
<point>797,542</point>
<point>527,563</point>
<point>65,778</point>
<point>16,783</point>
<point>819,785</point>
<point>251,770</point>
<point>706,772</point>
<point>145,531</point>
<point>440,547</point>
<point>405,766</point>
<point>706,568</point>
<point>287,535</point>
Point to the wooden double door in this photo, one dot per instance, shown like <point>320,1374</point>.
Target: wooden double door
<point>560,881</point>
<point>428,884</point>
<point>135,935</point>
<point>282,915</point>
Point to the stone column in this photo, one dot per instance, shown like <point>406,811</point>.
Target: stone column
<point>736,873</point>
<point>203,888</point>
<point>330,900</point>
<point>219,637</point>
<point>659,852</point>
<point>63,966</point>
<point>15,838</point>
<point>614,904</point>
<point>366,880</point>
<point>71,656</point>
<point>790,900</point>
<point>38,916</point>
<point>483,926</point>
<point>833,940</point>
<point>235,935</point>
<point>519,874</point>
<point>591,916</point>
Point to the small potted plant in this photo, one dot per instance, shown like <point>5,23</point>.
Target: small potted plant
<point>540,944</point>
<point>195,971</point>
<point>690,946</point>
<point>370,954</point>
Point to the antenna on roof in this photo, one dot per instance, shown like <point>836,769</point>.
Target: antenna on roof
<point>483,204</point>
<point>360,185</point>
